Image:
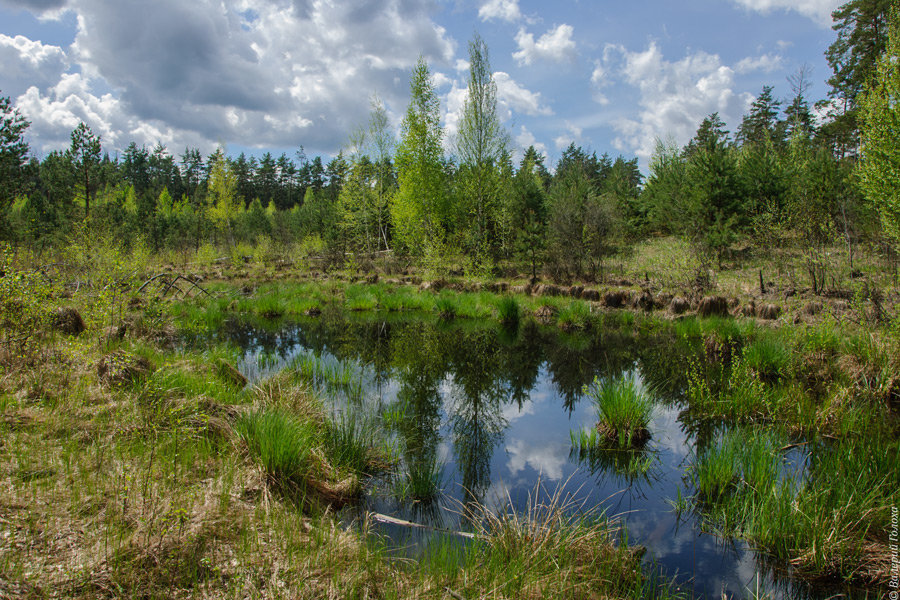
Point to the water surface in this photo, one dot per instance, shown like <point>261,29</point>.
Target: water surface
<point>492,409</point>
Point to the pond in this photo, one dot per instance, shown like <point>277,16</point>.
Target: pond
<point>487,413</point>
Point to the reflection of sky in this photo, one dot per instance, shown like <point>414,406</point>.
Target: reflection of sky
<point>535,446</point>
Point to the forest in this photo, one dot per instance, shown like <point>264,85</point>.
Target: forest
<point>785,178</point>
<point>432,368</point>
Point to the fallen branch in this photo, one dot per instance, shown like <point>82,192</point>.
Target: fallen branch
<point>395,521</point>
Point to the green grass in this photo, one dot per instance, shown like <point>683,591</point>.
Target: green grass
<point>280,443</point>
<point>350,441</point>
<point>769,356</point>
<point>446,305</point>
<point>624,411</point>
<point>422,481</point>
<point>574,315</point>
<point>830,523</point>
<point>508,311</point>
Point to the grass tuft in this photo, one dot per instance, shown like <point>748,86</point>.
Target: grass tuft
<point>624,411</point>
<point>280,443</point>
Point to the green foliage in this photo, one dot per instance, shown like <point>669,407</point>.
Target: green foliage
<point>862,36</point>
<point>419,210</point>
<point>879,169</point>
<point>13,151</point>
<point>581,222</point>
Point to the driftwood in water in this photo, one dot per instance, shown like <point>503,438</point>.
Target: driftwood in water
<point>395,521</point>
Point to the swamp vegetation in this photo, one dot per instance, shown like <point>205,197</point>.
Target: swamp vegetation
<point>234,438</point>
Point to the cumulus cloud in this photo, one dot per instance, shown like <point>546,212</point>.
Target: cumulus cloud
<point>518,98</point>
<point>673,96</point>
<point>766,63</point>
<point>547,459</point>
<point>27,63</point>
<point>556,45</point>
<point>817,10</point>
<point>253,72</point>
<point>504,10</point>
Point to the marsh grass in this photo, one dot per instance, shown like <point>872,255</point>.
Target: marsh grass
<point>281,444</point>
<point>624,411</point>
<point>554,548</point>
<point>574,315</point>
<point>445,304</point>
<point>770,357</point>
<point>508,311</point>
<point>421,481</point>
<point>350,442</point>
<point>803,519</point>
<point>328,372</point>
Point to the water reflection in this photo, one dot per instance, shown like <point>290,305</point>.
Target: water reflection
<point>488,411</point>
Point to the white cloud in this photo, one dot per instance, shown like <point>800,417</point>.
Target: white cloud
<point>766,63</point>
<point>265,73</point>
<point>572,135</point>
<point>599,80</point>
<point>505,10</point>
<point>518,98</point>
<point>556,45</point>
<point>28,63</point>
<point>674,96</point>
<point>817,10</point>
<point>547,459</point>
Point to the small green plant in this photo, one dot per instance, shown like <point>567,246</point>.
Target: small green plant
<point>624,411</point>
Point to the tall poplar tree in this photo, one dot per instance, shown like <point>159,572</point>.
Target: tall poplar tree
<point>480,144</point>
<point>419,207</point>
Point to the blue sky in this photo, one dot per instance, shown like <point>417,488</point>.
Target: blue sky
<point>258,75</point>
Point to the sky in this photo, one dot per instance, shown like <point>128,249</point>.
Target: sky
<point>274,75</point>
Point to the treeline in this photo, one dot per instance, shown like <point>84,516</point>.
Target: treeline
<point>782,178</point>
